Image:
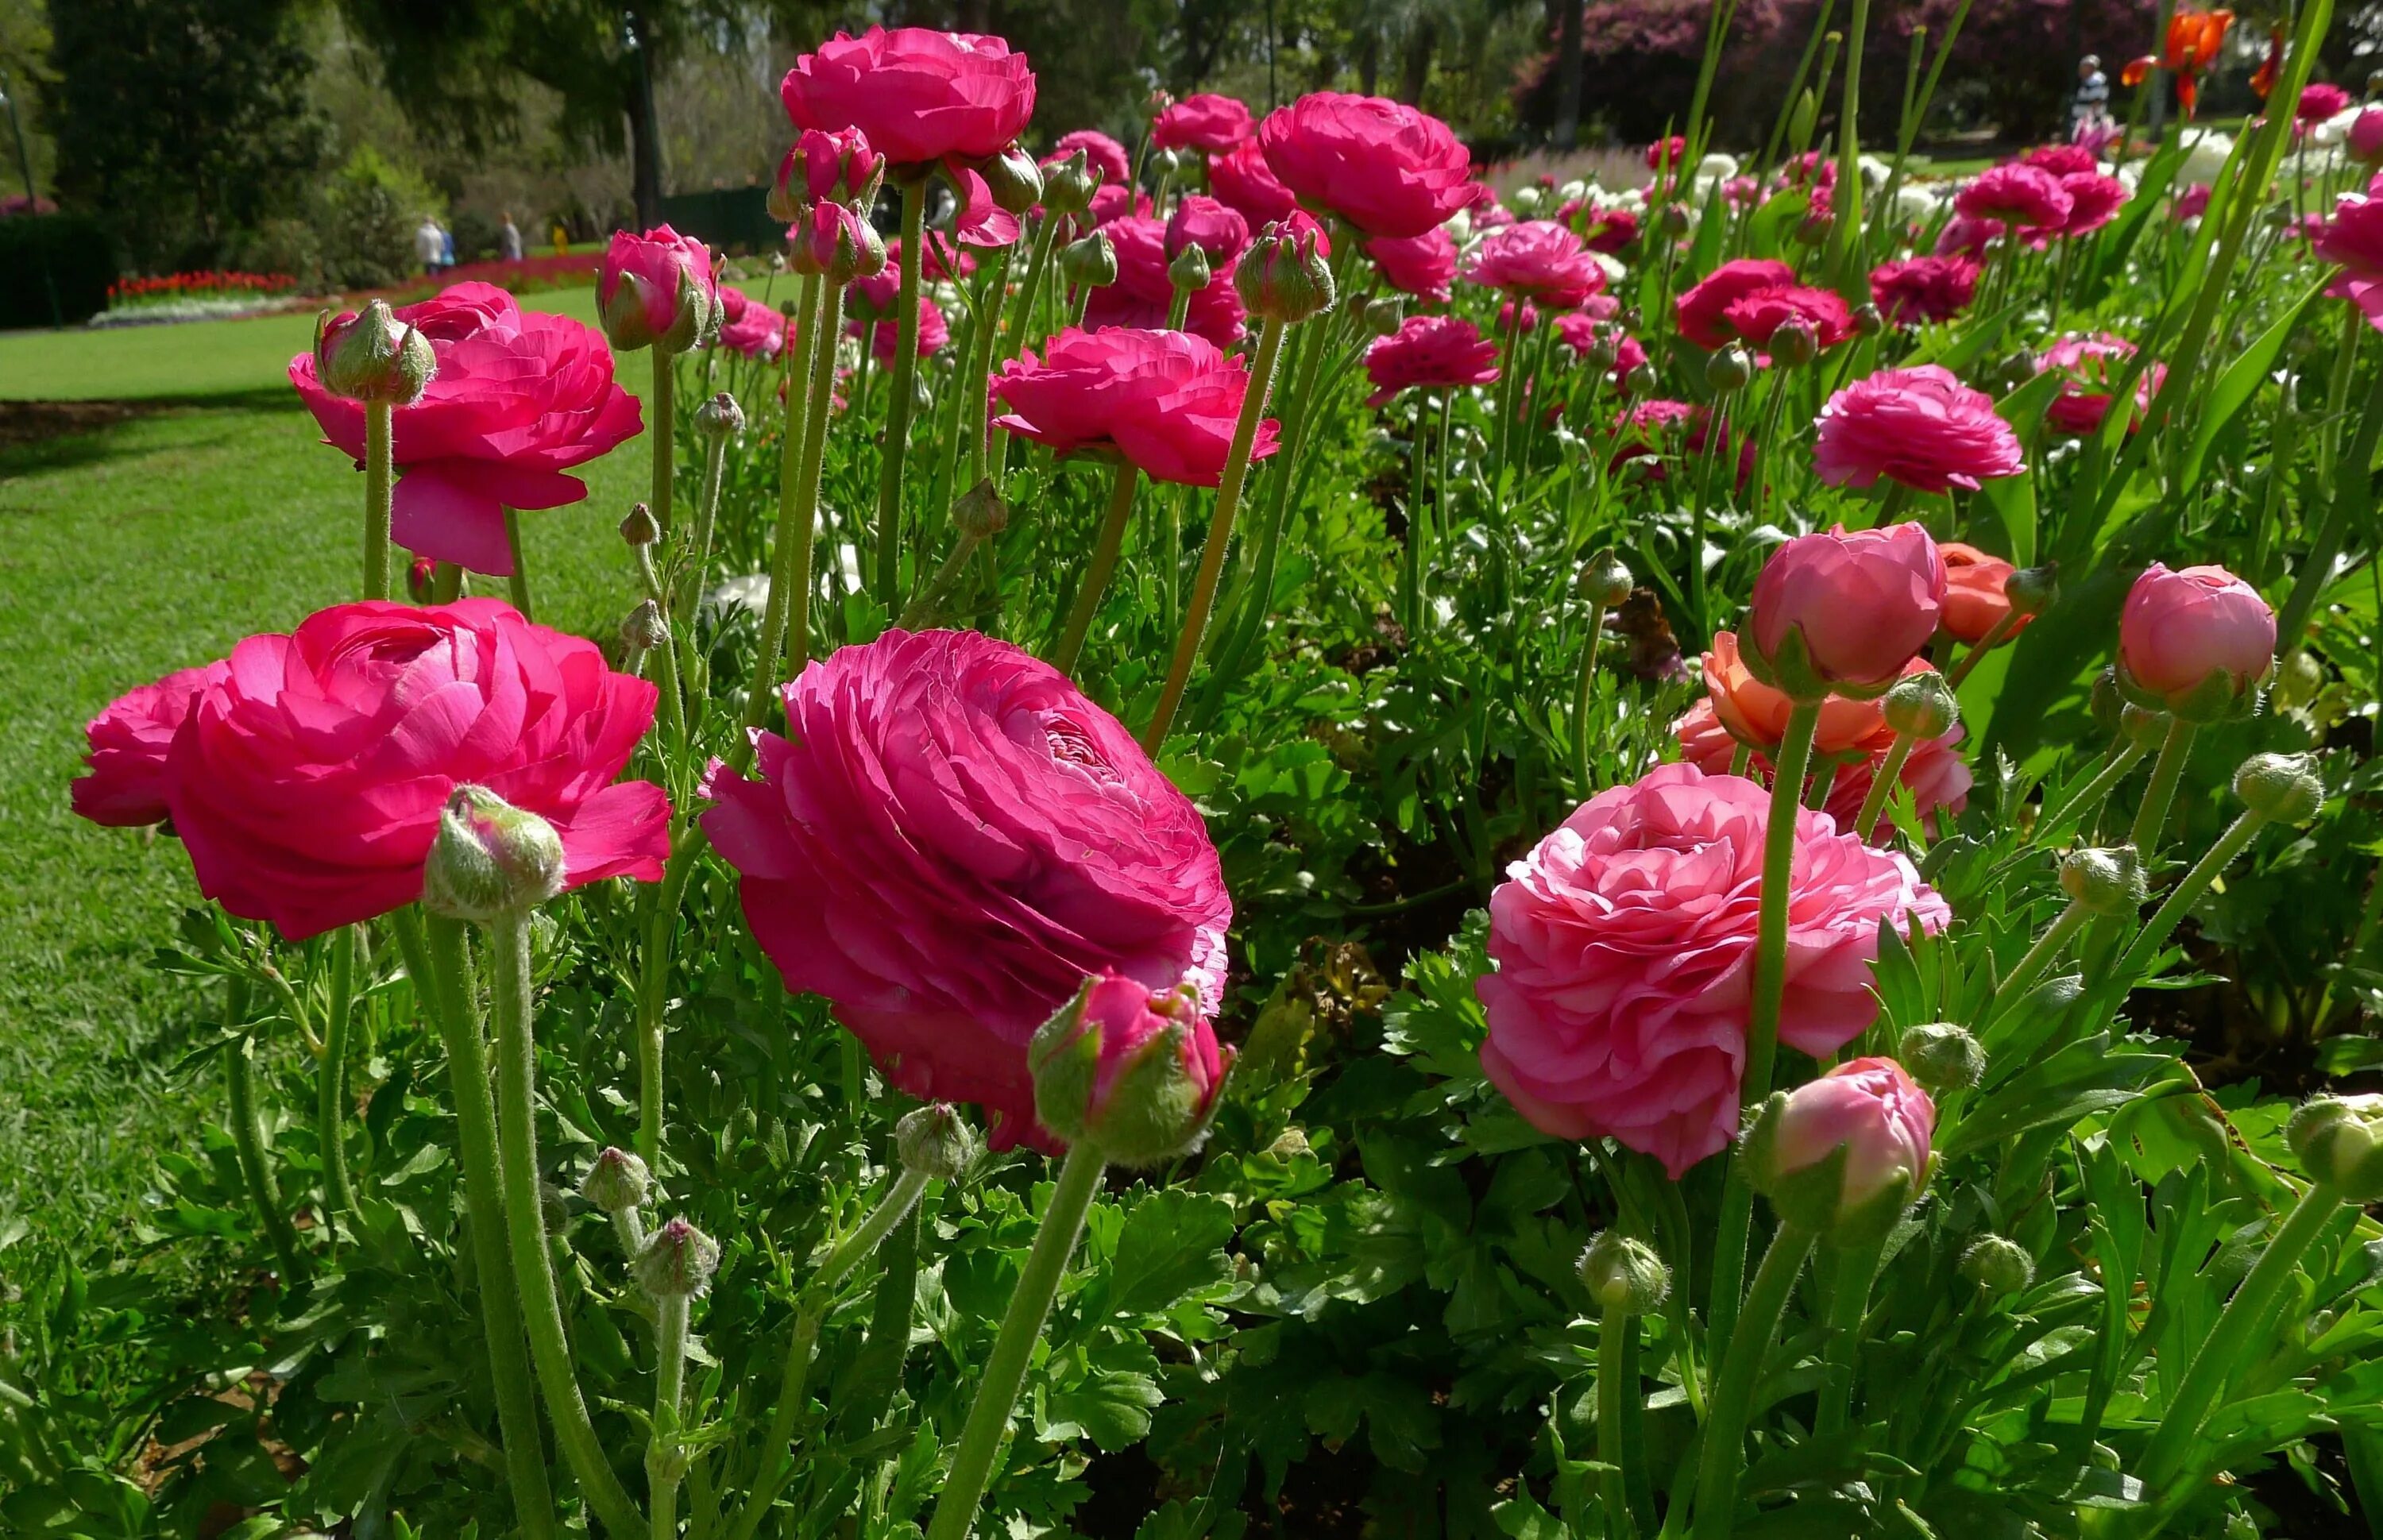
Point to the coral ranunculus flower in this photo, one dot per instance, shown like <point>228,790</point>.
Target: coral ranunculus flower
<point>919,94</point>
<point>308,780</point>
<point>2193,39</point>
<point>1755,714</point>
<point>126,788</point>
<point>1974,600</point>
<point>1433,351</point>
<point>520,398</point>
<point>1167,400</point>
<point>950,843</point>
<point>1934,771</point>
<point>1203,120</point>
<point>1386,168</point>
<point>1920,426</point>
<point>1625,949</point>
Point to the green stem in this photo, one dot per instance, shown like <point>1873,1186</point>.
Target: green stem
<point>662,410</point>
<point>699,546</point>
<point>1856,1272</point>
<point>1411,568</point>
<point>438,959</point>
<point>927,601</point>
<point>1106,547</point>
<point>249,1146</point>
<point>665,1460</point>
<point>1613,1334</point>
<point>331,1086</point>
<point>653,988</point>
<point>2040,956</point>
<point>525,1227</point>
<point>1846,224</point>
<point>1582,695</point>
<point>2122,760</point>
<point>1741,1370</point>
<point>517,582</point>
<point>380,434</point>
<point>1013,1348</point>
<point>1882,783</point>
<point>1995,636</point>
<point>2194,883</point>
<point>1021,310</point>
<point>2151,819</point>
<point>903,388</point>
<point>790,573</point>
<point>977,405</point>
<point>1220,534</point>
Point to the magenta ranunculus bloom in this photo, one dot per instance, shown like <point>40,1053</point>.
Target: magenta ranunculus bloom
<point>2090,368</point>
<point>1103,154</point>
<point>951,843</point>
<point>1216,228</point>
<point>2020,195</point>
<point>1963,236</point>
<point>826,164</point>
<point>2093,202</point>
<point>1758,313</point>
<point>520,397</point>
<point>1924,288</point>
<point>1865,601</point>
<point>1433,351</point>
<point>1423,265</point>
<point>1145,291</point>
<point>1386,168</point>
<point>1241,178</point>
<point>656,288</point>
<point>2184,634</point>
<point>307,782</point>
<point>919,94</point>
<point>1202,121</point>
<point>979,221</point>
<point>1137,1111</point>
<point>1921,427</point>
<point>1877,1115</point>
<point>750,327</point>
<point>1702,311</point>
<point>1625,950</point>
<point>1540,260</point>
<point>126,788</point>
<point>2321,100</point>
<point>1667,153</point>
<point>2365,137</point>
<point>1167,400</point>
<point>1611,231</point>
<point>1112,202</point>
<point>2062,160</point>
<point>2353,238</point>
<point>886,336</point>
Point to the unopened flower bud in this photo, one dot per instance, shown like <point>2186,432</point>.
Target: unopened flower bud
<point>677,1262</point>
<point>2108,883</point>
<point>1164,162</point>
<point>1624,1276</point>
<point>1290,1143</point>
<point>1642,378</point>
<point>1868,320</point>
<point>2000,1267</point>
<point>372,356</point>
<point>720,417</point>
<point>1385,317</point>
<point>833,241</point>
<point>1814,227</point>
<point>1943,1057</point>
<point>638,527</point>
<point>645,628</point>
<point>1091,262</point>
<point>1283,276</point>
<point>1729,369</point>
<point>1067,186</point>
<point>1015,180</point>
<point>2033,590</point>
<point>935,1142</point>
<point>1131,1073</point>
<point>1189,269</point>
<point>1675,221</point>
<point>490,859</point>
<point>1604,351</point>
<point>1605,580</point>
<point>1847,1154</point>
<point>2280,787</point>
<point>979,513</point>
<point>2338,1140</point>
<point>1794,343</point>
<point>617,1183</point>
<point>1921,705</point>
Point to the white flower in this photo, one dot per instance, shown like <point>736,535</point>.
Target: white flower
<point>1874,171</point>
<point>1614,271</point>
<point>1917,204</point>
<point>1459,226</point>
<point>1717,167</point>
<point>2205,156</point>
<point>1572,192</point>
<point>2334,129</point>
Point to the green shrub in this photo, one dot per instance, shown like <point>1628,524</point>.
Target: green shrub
<point>55,269</point>
<point>370,211</point>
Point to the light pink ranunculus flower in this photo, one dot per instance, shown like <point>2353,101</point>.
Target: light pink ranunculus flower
<point>1537,260</point>
<point>1625,950</point>
<point>126,788</point>
<point>951,841</point>
<point>2201,632</point>
<point>1879,1117</point>
<point>1866,602</point>
<point>1921,427</point>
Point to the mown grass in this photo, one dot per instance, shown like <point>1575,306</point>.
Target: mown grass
<point>149,543</point>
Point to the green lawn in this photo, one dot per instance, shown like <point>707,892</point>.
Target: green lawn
<point>149,544</point>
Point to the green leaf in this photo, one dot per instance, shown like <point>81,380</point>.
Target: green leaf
<point>2239,382</point>
<point>1172,1247</point>
<point>1110,1407</point>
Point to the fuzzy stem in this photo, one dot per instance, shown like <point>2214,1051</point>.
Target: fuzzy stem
<point>2195,882</point>
<point>699,544</point>
<point>665,1461</point>
<point>331,1085</point>
<point>1741,1370</point>
<point>1882,783</point>
<point>2038,957</point>
<point>903,394</point>
<point>2123,760</point>
<point>2151,819</point>
<point>1582,695</point>
<point>380,434</point>
<point>1857,1274</point>
<point>1030,1306</point>
<point>1096,577</point>
<point>1613,1334</point>
<point>653,988</point>
<point>663,424</point>
<point>249,1145</point>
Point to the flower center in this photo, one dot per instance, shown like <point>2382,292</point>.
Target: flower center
<point>1071,744</point>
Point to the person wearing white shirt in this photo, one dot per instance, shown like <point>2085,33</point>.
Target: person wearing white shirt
<point>429,245</point>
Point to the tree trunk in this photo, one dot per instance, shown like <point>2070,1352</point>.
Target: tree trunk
<point>1415,68</point>
<point>1567,124</point>
<point>1369,62</point>
<point>644,128</point>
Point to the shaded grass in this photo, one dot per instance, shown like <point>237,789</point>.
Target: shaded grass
<point>153,542</point>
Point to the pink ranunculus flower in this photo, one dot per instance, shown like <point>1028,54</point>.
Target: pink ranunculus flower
<point>1934,771</point>
<point>1667,153</point>
<point>1144,291</point>
<point>953,839</point>
<point>1112,202</point>
<point>1924,288</point>
<point>1216,228</point>
<point>2093,202</point>
<point>2062,160</point>
<point>979,221</point>
<point>2321,100</point>
<point>126,788</point>
<point>1167,400</point>
<point>1424,266</point>
<point>1610,231</point>
<point>1703,310</point>
<point>656,290</point>
<point>919,95</point>
<point>1537,260</point>
<point>1662,431</point>
<point>1432,352</point>
<point>1963,236</point>
<point>1241,178</point>
<point>1882,1122</point>
<point>1757,314</point>
<point>2017,195</point>
<point>1388,168</point>
<point>1095,1078</point>
<point>750,327</point>
<point>520,398</point>
<point>2365,136</point>
<point>1202,121</point>
<point>2191,203</point>
<point>308,780</point>
<point>825,166</point>
<point>1921,427</point>
<point>1625,950</point>
<point>2353,238</point>
<point>1865,601</point>
<point>2199,637</point>
<point>1103,154</point>
<point>884,337</point>
<point>2090,368</point>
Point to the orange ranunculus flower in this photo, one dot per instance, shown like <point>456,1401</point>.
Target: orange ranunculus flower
<point>1755,715</point>
<point>2193,38</point>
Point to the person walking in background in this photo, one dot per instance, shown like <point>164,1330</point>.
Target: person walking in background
<point>446,247</point>
<point>509,240</point>
<point>2090,109</point>
<point>429,245</point>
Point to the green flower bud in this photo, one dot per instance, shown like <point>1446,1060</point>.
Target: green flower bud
<point>1729,369</point>
<point>1067,188</point>
<point>372,357</point>
<point>1675,221</point>
<point>2000,1268</point>
<point>1642,379</point>
<point>935,1142</point>
<point>1190,269</point>
<point>644,627</point>
<point>1921,704</point>
<point>677,1262</point>
<point>720,417</point>
<point>2104,702</point>
<point>1284,276</point>
<point>1868,320</point>
<point>1605,580</point>
<point>639,528</point>
<point>2280,787</point>
<point>1942,1057</point>
<point>1385,317</point>
<point>490,859</point>
<point>1091,262</point>
<point>2299,681</point>
<point>2033,590</point>
<point>1624,1276</point>
<point>617,1183</point>
<point>979,513</point>
<point>1814,227</point>
<point>2338,1140</point>
<point>2108,883</point>
<point>1794,343</point>
<point>1014,178</point>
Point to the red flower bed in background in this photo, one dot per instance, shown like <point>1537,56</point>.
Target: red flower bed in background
<point>212,285</point>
